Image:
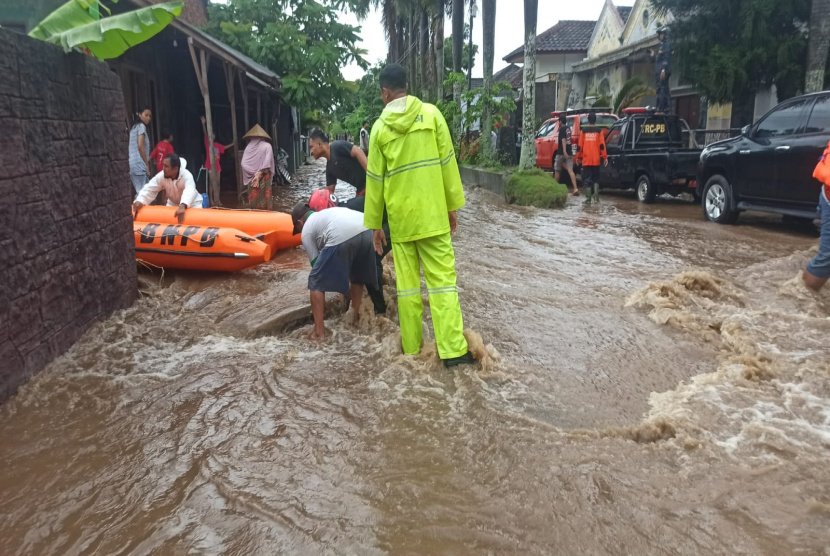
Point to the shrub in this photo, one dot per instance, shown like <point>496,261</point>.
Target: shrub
<point>535,188</point>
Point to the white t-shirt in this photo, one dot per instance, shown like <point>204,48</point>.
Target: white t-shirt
<point>330,227</point>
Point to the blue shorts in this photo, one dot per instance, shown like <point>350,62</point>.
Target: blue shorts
<point>820,265</point>
<point>350,262</point>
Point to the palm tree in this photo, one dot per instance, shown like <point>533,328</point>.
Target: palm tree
<point>817,49</point>
<point>438,48</point>
<point>457,34</point>
<point>457,55</point>
<point>488,17</point>
<point>390,21</point>
<point>423,49</point>
<point>528,154</point>
<point>632,90</point>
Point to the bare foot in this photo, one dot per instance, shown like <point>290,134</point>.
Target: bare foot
<point>575,192</point>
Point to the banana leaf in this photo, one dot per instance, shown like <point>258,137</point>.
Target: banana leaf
<point>107,37</point>
<point>73,13</point>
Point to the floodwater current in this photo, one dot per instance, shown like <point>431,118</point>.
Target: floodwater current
<point>653,384</point>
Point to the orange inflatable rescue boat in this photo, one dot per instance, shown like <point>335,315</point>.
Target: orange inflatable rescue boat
<point>197,247</point>
<point>274,228</point>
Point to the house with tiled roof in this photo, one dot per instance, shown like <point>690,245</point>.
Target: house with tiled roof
<point>511,74</point>
<point>621,48</point>
<point>557,50</point>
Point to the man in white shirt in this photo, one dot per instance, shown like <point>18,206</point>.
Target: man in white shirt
<point>342,257</point>
<point>177,182</point>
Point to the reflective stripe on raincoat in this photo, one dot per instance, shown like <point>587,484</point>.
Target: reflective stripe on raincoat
<point>412,171</point>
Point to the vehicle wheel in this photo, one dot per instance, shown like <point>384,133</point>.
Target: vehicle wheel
<point>645,190</point>
<point>717,201</point>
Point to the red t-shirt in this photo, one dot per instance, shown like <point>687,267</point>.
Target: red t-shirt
<point>218,150</point>
<point>163,148</point>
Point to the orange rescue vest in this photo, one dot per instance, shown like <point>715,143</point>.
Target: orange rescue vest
<point>591,146</point>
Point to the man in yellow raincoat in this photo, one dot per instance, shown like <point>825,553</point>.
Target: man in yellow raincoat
<point>412,171</point>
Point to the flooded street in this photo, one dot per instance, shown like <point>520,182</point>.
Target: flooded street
<point>656,384</point>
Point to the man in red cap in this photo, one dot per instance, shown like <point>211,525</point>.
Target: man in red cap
<point>342,257</point>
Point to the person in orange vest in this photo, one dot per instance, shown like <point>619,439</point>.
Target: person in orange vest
<point>591,152</point>
<point>818,269</point>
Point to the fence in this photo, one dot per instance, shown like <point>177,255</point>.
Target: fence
<point>699,138</point>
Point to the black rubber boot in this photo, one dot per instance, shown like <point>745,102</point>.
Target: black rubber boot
<point>466,359</point>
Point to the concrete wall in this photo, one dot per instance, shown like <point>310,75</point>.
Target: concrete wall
<point>491,181</point>
<point>555,63</point>
<point>66,241</point>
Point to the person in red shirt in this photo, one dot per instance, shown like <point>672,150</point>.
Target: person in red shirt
<point>218,149</point>
<point>591,152</point>
<point>162,149</point>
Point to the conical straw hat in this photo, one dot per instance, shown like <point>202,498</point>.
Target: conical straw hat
<point>256,131</point>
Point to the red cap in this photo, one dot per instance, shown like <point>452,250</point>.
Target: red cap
<point>321,200</point>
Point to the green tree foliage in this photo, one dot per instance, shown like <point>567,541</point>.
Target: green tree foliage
<point>465,56</point>
<point>301,40</point>
<point>360,102</point>
<point>729,49</point>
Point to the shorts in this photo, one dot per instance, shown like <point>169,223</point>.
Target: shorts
<point>820,265</point>
<point>350,262</point>
<point>561,160</point>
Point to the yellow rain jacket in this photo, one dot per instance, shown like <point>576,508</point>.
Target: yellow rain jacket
<point>412,171</point>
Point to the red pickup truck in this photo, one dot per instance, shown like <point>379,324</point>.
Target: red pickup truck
<point>547,138</point>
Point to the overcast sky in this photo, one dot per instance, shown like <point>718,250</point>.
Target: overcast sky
<point>509,28</point>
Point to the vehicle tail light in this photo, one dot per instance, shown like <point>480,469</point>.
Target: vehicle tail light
<point>693,184</point>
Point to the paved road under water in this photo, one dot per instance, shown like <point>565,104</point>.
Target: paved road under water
<point>654,384</point>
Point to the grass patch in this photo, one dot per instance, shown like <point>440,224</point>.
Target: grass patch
<point>535,188</point>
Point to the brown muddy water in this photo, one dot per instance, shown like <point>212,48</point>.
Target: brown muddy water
<point>655,384</point>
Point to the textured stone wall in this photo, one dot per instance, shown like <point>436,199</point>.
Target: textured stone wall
<point>66,242</point>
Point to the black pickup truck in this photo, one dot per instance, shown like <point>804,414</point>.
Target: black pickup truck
<point>646,153</point>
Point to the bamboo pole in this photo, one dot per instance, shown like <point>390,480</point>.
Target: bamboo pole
<point>230,79</point>
<point>200,66</point>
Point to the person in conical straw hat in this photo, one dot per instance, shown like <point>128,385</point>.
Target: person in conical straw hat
<point>258,167</point>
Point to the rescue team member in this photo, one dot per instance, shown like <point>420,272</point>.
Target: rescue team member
<point>177,182</point>
<point>162,149</point>
<point>341,254</point>
<point>564,153</point>
<point>591,151</point>
<point>818,269</point>
<point>413,173</point>
<point>345,161</point>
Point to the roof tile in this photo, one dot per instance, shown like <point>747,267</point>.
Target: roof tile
<point>565,36</point>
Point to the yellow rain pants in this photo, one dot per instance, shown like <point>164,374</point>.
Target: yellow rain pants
<point>437,257</point>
